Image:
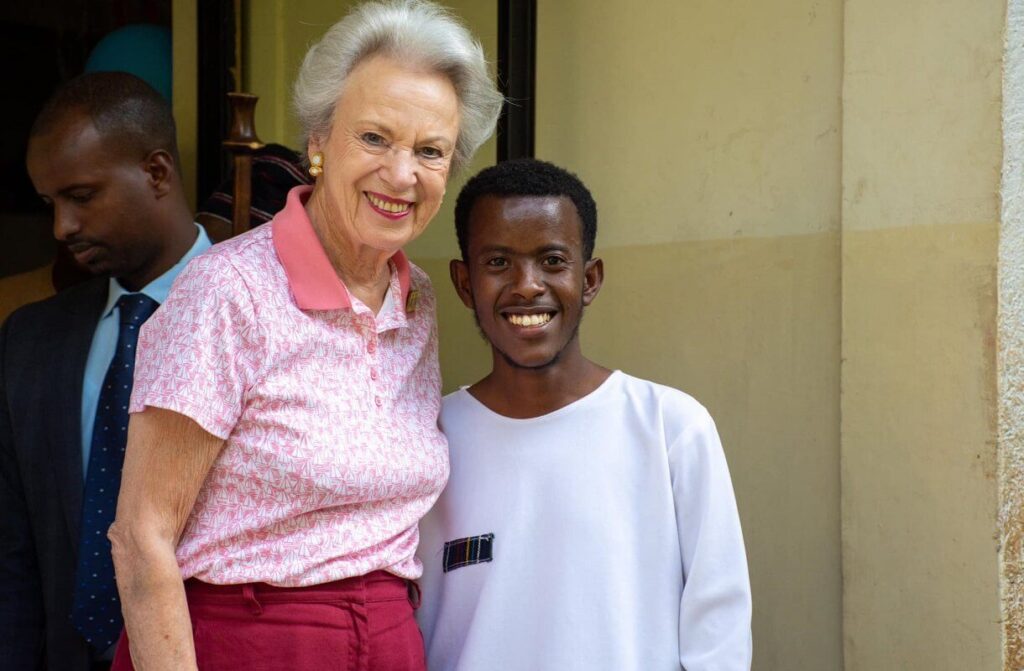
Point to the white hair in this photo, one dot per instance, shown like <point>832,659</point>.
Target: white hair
<point>412,31</point>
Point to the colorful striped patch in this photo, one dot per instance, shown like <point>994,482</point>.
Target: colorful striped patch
<point>465,551</point>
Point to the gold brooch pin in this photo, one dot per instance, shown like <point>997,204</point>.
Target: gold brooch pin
<point>412,300</point>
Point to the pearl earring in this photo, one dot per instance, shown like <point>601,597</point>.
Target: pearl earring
<point>316,164</point>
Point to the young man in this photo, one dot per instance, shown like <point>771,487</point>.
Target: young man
<point>589,521</point>
<point>102,153</point>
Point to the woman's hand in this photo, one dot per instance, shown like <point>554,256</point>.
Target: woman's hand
<point>166,461</point>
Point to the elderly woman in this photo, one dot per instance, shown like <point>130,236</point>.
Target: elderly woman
<point>284,441</point>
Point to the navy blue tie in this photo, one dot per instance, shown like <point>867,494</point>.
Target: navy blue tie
<point>96,611</point>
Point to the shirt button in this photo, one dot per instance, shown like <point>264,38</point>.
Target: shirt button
<point>373,373</point>
<point>378,401</point>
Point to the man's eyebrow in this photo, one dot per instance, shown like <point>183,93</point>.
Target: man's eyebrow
<point>64,190</point>
<point>553,248</point>
<point>490,249</point>
<point>495,248</point>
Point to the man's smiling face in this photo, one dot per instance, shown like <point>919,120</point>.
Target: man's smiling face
<point>525,276</point>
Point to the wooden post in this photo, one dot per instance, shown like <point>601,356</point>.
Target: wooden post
<point>242,142</point>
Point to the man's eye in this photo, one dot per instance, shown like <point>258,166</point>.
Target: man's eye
<point>497,262</point>
<point>373,139</point>
<point>80,197</point>
<point>553,261</point>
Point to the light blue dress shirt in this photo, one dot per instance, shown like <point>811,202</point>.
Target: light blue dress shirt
<point>104,340</point>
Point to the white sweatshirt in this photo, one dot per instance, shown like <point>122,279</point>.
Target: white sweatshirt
<point>616,541</point>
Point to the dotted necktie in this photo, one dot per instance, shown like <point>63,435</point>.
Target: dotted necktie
<point>96,612</point>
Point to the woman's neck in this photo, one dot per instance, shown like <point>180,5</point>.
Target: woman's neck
<point>363,270</point>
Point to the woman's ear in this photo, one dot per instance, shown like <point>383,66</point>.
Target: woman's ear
<point>312,147</point>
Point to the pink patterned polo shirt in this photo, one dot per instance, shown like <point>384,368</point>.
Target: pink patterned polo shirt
<point>329,412</point>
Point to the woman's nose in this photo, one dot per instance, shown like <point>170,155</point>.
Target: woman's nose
<point>399,169</point>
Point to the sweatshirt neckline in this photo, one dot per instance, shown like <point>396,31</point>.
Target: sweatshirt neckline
<point>576,405</point>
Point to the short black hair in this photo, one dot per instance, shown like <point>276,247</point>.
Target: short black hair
<point>125,110</point>
<point>526,177</point>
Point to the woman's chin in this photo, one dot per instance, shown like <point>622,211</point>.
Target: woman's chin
<point>391,238</point>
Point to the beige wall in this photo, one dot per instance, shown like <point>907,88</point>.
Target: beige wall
<point>921,160</point>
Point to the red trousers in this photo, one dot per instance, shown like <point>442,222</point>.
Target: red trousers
<point>359,624</point>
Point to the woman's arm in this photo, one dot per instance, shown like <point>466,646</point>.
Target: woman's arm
<point>166,462</point>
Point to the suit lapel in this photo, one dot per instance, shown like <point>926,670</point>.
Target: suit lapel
<point>82,312</point>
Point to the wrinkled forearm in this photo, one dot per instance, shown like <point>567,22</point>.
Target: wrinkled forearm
<point>153,601</point>
<point>166,460</point>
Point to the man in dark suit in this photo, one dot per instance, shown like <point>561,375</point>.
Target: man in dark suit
<point>103,154</point>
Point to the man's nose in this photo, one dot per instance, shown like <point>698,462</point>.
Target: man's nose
<point>65,225</point>
<point>529,281</point>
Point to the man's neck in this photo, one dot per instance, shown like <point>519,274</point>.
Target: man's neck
<point>180,238</point>
<point>522,393</point>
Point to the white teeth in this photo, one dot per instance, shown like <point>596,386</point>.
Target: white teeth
<point>529,320</point>
<point>387,206</point>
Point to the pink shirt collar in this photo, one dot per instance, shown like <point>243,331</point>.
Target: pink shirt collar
<point>311,277</point>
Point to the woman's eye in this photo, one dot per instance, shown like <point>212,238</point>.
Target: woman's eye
<point>431,153</point>
<point>373,139</point>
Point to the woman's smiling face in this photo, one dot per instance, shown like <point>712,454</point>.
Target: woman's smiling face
<point>387,157</point>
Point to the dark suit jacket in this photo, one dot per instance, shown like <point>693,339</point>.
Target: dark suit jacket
<point>43,348</point>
